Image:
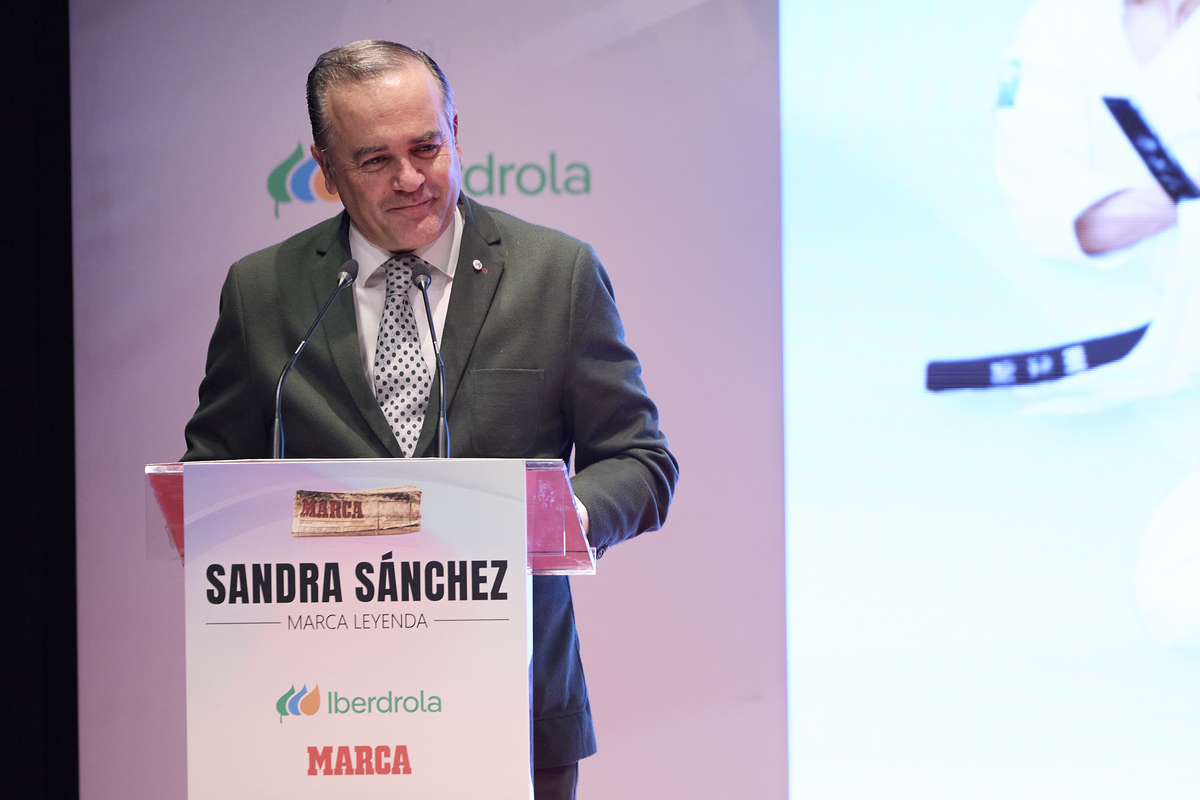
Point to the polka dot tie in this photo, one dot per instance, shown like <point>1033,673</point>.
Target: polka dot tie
<point>401,378</point>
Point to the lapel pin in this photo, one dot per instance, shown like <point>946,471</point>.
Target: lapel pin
<point>478,265</point>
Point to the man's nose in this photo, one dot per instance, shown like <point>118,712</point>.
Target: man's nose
<point>407,178</point>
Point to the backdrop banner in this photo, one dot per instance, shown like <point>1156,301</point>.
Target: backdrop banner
<point>648,129</point>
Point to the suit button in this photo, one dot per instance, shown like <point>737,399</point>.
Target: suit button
<point>601,550</point>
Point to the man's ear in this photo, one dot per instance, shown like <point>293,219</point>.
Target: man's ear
<point>326,169</point>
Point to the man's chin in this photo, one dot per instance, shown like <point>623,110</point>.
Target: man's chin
<point>402,238</point>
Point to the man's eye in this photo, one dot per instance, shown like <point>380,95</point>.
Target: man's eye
<point>427,149</point>
<point>378,161</point>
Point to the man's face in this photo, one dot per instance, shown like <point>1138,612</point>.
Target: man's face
<point>394,160</point>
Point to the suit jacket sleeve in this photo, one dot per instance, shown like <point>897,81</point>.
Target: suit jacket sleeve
<point>228,422</point>
<point>624,473</point>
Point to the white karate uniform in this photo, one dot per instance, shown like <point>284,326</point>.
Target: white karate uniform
<point>1058,149</point>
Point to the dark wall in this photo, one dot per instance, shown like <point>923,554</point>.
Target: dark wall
<point>37,582</point>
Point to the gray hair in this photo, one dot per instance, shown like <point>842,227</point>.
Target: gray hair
<point>359,62</point>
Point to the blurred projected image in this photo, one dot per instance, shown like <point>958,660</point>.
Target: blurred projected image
<point>993,558</point>
<point>1098,152</point>
<point>1097,143</point>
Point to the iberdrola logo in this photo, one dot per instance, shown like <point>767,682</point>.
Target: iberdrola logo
<point>289,182</point>
<point>294,703</point>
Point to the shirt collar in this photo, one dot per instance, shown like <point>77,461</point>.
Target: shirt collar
<point>440,254</point>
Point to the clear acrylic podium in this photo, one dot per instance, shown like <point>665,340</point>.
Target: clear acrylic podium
<point>360,628</point>
<point>554,536</point>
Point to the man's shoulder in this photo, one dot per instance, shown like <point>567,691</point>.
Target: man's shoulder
<point>308,245</point>
<point>512,230</point>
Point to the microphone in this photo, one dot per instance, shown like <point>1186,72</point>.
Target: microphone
<point>420,277</point>
<point>345,277</point>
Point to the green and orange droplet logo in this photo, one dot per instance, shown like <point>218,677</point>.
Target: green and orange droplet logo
<point>293,703</point>
<point>304,182</point>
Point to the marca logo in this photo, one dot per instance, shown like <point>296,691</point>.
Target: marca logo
<point>294,703</point>
<point>381,760</point>
<point>289,182</point>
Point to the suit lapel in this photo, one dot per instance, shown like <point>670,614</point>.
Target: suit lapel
<point>470,299</point>
<point>340,336</point>
<point>472,294</point>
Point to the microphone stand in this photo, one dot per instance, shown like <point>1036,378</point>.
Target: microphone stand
<point>420,277</point>
<point>345,277</point>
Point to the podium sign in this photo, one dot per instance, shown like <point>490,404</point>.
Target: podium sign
<point>357,629</point>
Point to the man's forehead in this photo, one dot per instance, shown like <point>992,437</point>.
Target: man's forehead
<point>412,87</point>
<point>402,101</point>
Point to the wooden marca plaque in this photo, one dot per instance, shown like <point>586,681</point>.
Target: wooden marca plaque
<point>371,512</point>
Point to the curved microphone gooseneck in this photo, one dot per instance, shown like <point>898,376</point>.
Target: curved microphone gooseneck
<point>345,277</point>
<point>420,277</point>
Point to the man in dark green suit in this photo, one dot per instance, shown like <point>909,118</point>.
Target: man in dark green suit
<point>535,359</point>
